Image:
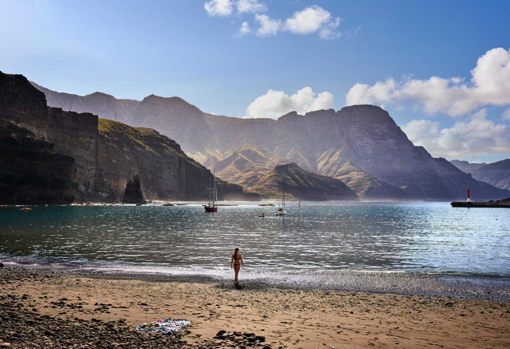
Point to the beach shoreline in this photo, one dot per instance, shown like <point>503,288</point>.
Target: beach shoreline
<point>288,317</point>
<point>455,286</point>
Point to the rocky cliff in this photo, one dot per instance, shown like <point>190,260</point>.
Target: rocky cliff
<point>165,170</point>
<point>360,145</point>
<point>30,171</point>
<point>98,157</point>
<point>72,134</point>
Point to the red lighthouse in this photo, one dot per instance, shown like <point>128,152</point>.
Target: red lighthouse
<point>468,199</point>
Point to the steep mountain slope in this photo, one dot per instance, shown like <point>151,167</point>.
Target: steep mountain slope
<point>176,119</point>
<point>164,170</point>
<point>360,145</point>
<point>497,174</point>
<point>303,185</point>
<point>94,158</point>
<point>466,166</point>
<point>238,167</point>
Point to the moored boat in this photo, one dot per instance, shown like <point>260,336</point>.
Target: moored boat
<point>213,197</point>
<point>280,211</point>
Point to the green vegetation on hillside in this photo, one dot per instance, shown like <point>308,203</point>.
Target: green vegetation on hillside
<point>114,130</point>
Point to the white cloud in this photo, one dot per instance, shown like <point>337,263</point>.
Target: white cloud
<point>382,91</point>
<point>489,85</point>
<point>476,136</point>
<point>245,29</point>
<point>268,26</point>
<point>506,114</point>
<point>252,6</point>
<point>313,19</point>
<point>220,8</point>
<point>276,103</point>
<point>329,31</point>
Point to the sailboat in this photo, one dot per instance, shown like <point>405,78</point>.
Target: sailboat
<point>280,211</point>
<point>213,194</point>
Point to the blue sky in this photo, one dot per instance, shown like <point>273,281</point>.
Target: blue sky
<point>131,49</point>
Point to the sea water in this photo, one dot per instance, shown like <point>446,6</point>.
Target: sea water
<point>317,243</point>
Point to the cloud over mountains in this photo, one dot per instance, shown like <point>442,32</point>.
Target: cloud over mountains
<point>489,85</point>
<point>477,136</point>
<point>474,134</point>
<point>277,103</point>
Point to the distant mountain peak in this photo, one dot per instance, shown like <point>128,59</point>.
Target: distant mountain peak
<point>291,114</point>
<point>287,166</point>
<point>302,184</point>
<point>99,94</point>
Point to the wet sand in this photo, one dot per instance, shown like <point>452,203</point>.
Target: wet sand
<point>290,318</point>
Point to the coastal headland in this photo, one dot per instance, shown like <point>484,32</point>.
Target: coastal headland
<point>43,309</point>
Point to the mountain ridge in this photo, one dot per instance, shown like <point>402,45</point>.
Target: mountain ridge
<point>466,166</point>
<point>98,157</point>
<point>496,173</point>
<point>360,145</point>
<point>302,185</point>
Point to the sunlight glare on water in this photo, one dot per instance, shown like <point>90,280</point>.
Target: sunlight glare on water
<point>416,237</point>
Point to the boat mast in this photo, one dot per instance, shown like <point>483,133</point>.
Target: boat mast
<point>283,194</point>
<point>215,190</point>
<point>209,189</point>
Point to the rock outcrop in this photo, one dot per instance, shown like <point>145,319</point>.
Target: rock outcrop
<point>98,157</point>
<point>133,193</point>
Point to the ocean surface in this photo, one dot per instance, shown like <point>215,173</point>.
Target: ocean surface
<point>421,247</point>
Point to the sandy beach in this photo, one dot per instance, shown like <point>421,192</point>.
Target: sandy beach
<point>289,318</point>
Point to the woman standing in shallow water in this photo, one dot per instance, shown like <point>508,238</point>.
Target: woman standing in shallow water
<point>236,262</point>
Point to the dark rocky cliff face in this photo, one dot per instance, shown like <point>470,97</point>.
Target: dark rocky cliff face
<point>30,171</point>
<point>98,157</point>
<point>72,134</point>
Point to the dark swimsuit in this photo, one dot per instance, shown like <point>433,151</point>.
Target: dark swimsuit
<point>236,262</point>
